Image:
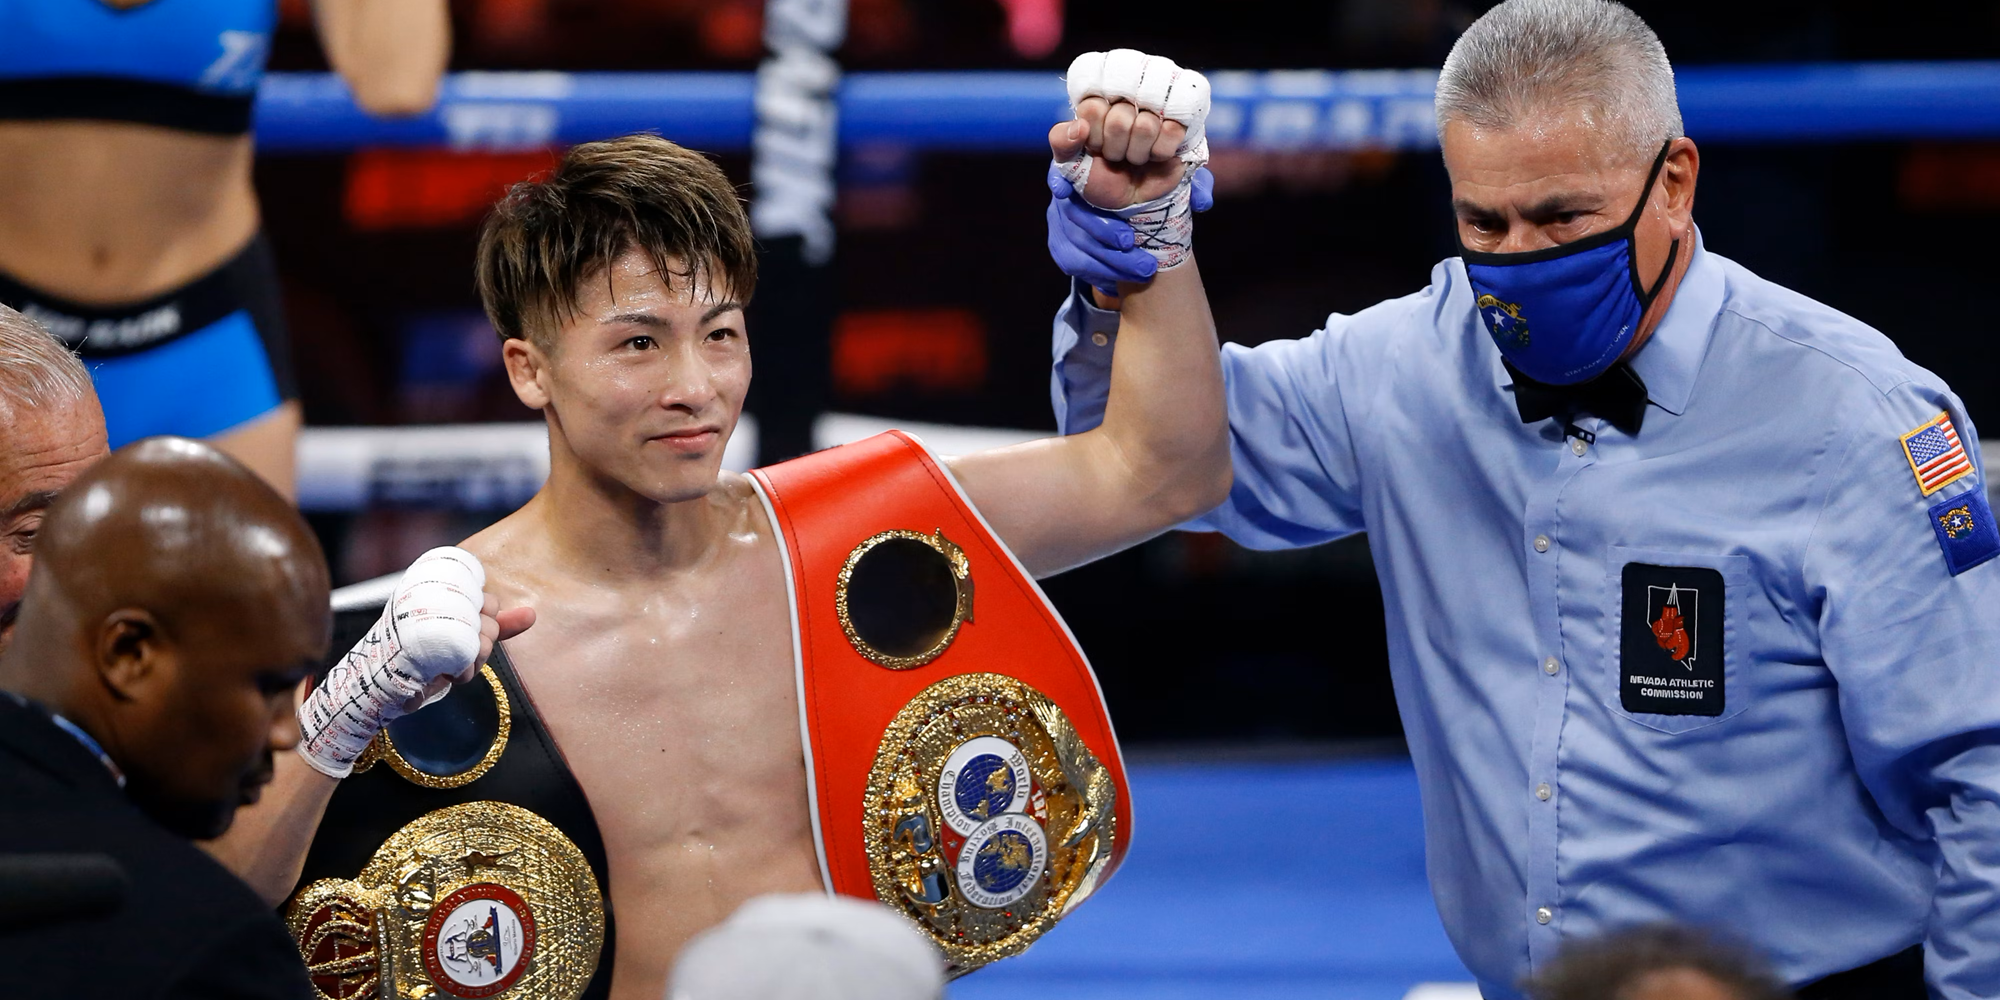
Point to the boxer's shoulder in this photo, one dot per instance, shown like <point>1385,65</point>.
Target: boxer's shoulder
<point>742,516</point>
<point>735,491</point>
<point>502,547</point>
<point>495,542</point>
<point>517,557</point>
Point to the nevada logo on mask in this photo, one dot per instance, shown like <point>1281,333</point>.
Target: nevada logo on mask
<point>1503,321</point>
<point>1670,648</point>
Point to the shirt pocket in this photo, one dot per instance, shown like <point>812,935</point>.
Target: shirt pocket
<point>1673,659</point>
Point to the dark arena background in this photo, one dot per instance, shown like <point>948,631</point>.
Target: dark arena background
<point>1850,151</point>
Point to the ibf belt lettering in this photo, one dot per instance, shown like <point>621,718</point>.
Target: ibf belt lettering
<point>1670,647</point>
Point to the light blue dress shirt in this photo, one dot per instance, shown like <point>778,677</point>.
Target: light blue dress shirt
<point>1843,806</point>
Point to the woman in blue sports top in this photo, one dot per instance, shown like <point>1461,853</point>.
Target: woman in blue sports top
<point>128,225</point>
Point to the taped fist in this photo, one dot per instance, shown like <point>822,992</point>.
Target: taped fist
<point>1134,154</point>
<point>436,628</point>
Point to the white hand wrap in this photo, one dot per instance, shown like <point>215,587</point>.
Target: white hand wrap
<point>1164,226</point>
<point>429,629</point>
<point>1153,83</point>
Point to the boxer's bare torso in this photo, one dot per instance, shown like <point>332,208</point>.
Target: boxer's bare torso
<point>669,688</point>
<point>660,654</point>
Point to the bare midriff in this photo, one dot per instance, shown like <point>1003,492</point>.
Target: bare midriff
<point>110,213</point>
<point>674,703</point>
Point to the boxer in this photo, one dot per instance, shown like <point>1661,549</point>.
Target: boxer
<point>677,625</point>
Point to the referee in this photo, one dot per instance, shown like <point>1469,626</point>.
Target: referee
<point>1690,606</point>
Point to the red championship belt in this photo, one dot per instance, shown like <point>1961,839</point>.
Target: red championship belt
<point>964,770</point>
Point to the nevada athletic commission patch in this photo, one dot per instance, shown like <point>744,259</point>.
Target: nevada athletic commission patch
<point>1670,644</point>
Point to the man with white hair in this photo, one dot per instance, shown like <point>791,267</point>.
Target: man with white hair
<point>55,430</point>
<point>1687,577</point>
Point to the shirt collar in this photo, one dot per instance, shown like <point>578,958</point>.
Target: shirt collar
<point>89,742</point>
<point>1671,357</point>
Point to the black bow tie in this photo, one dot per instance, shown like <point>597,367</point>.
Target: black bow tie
<point>1618,395</point>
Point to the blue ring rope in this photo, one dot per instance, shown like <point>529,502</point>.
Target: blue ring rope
<point>1012,111</point>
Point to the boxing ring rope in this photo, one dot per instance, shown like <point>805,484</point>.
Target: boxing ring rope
<point>1269,109</point>
<point>499,466</point>
<point>496,466</point>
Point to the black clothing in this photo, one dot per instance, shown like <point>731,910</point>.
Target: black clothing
<point>1898,977</point>
<point>186,927</point>
<point>123,99</point>
<point>1618,395</point>
<point>247,283</point>
<point>370,806</point>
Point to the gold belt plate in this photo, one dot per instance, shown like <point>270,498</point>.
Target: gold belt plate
<point>383,746</point>
<point>478,900</point>
<point>988,818</point>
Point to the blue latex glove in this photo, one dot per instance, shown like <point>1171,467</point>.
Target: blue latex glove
<point>1096,247</point>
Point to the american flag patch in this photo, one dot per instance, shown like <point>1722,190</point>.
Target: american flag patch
<point>1936,456</point>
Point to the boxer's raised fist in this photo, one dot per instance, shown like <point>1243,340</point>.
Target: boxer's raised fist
<point>1164,100</point>
<point>1132,154</point>
<point>433,630</point>
<point>1139,127</point>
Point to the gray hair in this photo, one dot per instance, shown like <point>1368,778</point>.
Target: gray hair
<point>1526,57</point>
<point>810,946</point>
<point>36,369</point>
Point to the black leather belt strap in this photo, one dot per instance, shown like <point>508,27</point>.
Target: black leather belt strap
<point>1898,977</point>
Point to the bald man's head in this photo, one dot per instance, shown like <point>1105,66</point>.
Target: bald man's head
<point>175,604</point>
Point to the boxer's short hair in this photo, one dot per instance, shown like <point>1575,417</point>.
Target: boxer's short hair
<point>37,371</point>
<point>550,234</point>
<point>1525,58</point>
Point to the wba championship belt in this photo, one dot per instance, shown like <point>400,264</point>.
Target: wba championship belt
<point>476,900</point>
<point>963,769</point>
<point>460,859</point>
